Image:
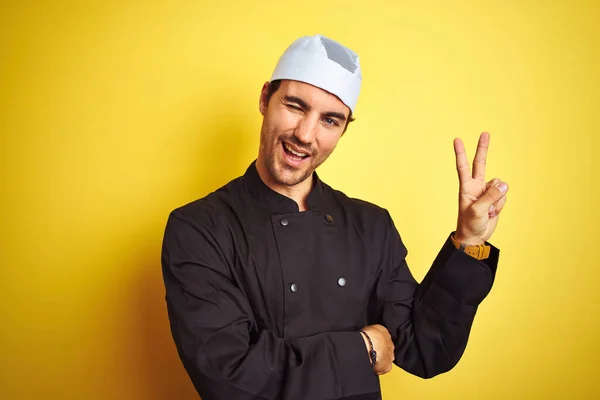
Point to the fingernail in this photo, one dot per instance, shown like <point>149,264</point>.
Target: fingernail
<point>503,187</point>
<point>492,208</point>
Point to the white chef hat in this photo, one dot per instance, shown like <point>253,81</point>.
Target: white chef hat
<point>324,63</point>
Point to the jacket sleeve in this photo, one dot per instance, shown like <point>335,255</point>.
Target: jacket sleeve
<point>430,322</point>
<point>224,352</point>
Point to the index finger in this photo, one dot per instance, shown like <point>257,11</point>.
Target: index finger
<point>480,156</point>
<point>462,163</point>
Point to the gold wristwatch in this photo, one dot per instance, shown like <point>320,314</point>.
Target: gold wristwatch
<point>478,251</point>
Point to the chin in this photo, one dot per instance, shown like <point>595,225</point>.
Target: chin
<point>285,175</point>
<point>289,178</point>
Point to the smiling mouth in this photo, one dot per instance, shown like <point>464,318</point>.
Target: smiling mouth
<point>293,154</point>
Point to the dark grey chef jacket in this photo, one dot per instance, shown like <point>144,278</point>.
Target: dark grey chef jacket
<point>265,302</point>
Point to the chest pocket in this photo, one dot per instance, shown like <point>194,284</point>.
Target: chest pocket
<point>326,274</point>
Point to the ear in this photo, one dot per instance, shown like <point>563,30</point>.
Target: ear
<point>262,102</point>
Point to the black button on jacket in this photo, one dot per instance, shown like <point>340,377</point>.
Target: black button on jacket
<point>257,310</point>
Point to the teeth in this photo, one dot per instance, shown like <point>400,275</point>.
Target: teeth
<point>288,148</point>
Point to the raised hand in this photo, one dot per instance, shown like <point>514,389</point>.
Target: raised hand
<point>479,202</point>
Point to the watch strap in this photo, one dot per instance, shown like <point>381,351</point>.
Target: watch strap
<point>478,251</point>
<point>372,352</point>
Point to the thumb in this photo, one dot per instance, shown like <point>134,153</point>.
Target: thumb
<point>493,194</point>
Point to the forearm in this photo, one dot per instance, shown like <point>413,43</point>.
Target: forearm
<point>431,327</point>
<point>433,341</point>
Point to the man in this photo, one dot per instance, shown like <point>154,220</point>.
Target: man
<point>279,287</point>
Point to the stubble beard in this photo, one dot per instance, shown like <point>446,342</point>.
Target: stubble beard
<point>279,171</point>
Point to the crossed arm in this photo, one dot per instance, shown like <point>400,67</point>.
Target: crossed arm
<point>228,357</point>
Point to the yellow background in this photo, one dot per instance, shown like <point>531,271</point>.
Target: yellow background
<point>114,113</point>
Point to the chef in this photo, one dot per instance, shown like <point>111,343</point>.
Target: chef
<point>280,287</point>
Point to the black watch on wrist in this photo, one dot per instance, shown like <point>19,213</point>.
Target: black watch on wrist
<point>372,352</point>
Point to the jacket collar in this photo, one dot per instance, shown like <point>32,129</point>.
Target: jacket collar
<point>279,203</point>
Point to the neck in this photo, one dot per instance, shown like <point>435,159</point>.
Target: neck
<point>299,192</point>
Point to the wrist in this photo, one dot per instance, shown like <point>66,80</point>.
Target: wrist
<point>472,240</point>
<point>475,248</point>
<point>369,345</point>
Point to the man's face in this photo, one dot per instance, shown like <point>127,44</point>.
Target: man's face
<point>301,127</point>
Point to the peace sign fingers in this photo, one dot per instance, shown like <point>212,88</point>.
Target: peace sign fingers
<point>462,163</point>
<point>479,203</point>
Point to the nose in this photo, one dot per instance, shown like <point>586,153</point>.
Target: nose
<point>306,130</point>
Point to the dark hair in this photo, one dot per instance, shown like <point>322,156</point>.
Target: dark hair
<point>275,85</point>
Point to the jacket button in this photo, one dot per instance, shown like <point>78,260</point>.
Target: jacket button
<point>284,222</point>
<point>328,218</point>
<point>294,288</point>
<point>342,282</point>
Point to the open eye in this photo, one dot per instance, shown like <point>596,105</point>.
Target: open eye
<point>330,121</point>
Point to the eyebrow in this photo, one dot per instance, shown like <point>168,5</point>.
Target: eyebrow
<point>333,114</point>
<point>307,107</point>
